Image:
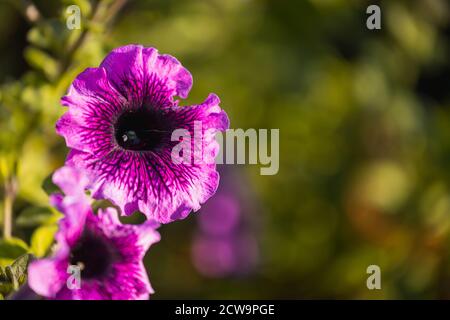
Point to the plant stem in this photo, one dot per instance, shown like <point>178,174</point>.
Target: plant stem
<point>100,12</point>
<point>10,194</point>
<point>114,10</point>
<point>7,214</point>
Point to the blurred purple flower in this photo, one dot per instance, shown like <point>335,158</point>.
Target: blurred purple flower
<point>224,256</point>
<point>225,243</point>
<point>119,125</point>
<point>214,257</point>
<point>108,253</point>
<point>220,215</point>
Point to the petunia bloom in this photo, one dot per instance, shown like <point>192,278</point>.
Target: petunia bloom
<point>119,127</point>
<point>107,253</point>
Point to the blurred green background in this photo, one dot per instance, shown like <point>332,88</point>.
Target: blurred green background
<point>364,119</point>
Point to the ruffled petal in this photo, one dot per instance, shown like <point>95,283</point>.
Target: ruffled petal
<point>177,78</point>
<point>47,276</point>
<point>75,205</point>
<point>144,76</point>
<point>129,239</point>
<point>71,181</point>
<point>93,107</point>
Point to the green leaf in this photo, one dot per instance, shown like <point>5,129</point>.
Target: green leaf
<point>42,239</point>
<point>5,287</point>
<point>101,204</point>
<point>12,278</point>
<point>19,270</point>
<point>42,61</point>
<point>3,276</point>
<point>11,249</point>
<point>34,216</point>
<point>15,275</point>
<point>49,34</point>
<point>49,187</point>
<point>38,37</point>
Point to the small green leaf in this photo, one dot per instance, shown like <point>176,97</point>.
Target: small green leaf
<point>3,276</point>
<point>101,204</point>
<point>15,275</point>
<point>42,239</point>
<point>42,61</point>
<point>11,249</point>
<point>19,270</point>
<point>34,216</point>
<point>5,282</point>
<point>38,37</point>
<point>5,287</point>
<point>49,187</point>
<point>13,279</point>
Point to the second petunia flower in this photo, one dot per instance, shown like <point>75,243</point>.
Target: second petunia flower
<point>119,126</point>
<point>109,254</point>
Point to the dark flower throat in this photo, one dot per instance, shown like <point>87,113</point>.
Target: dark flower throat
<point>94,254</point>
<point>142,130</point>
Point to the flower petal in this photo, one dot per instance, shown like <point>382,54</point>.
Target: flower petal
<point>140,73</point>
<point>71,181</point>
<point>47,276</point>
<point>93,106</point>
<point>178,79</point>
<point>75,204</point>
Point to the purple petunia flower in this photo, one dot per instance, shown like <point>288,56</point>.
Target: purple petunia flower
<point>108,253</point>
<point>119,126</point>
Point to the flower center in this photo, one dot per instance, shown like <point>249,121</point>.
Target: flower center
<point>94,255</point>
<point>142,130</point>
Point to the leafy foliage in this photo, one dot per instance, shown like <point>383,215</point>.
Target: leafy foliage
<point>15,275</point>
<point>11,249</point>
<point>42,239</point>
